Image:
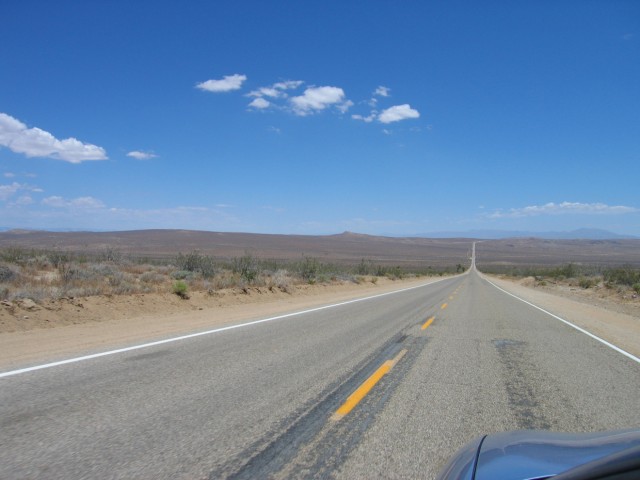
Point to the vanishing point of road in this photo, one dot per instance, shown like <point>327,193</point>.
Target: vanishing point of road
<point>385,387</point>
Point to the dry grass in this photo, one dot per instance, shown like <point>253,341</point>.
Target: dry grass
<point>42,275</point>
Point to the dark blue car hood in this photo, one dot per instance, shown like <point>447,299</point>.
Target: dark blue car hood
<point>534,455</point>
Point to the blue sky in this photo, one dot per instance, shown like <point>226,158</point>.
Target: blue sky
<point>380,117</point>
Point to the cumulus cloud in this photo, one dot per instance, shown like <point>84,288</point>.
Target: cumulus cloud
<point>226,84</point>
<point>138,155</point>
<point>277,90</point>
<point>34,142</point>
<point>315,99</point>
<point>260,103</point>
<point>80,203</point>
<point>564,208</point>
<point>382,91</point>
<point>397,113</point>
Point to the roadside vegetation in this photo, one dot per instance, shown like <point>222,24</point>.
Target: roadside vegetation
<point>624,280</point>
<point>41,275</point>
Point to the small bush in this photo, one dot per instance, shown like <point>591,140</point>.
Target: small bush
<point>636,288</point>
<point>586,282</point>
<point>309,269</point>
<point>622,276</point>
<point>6,274</point>
<point>247,267</point>
<point>180,289</point>
<point>182,275</point>
<point>196,262</point>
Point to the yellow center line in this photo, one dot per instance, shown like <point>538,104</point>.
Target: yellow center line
<point>427,323</point>
<point>444,305</point>
<point>368,384</point>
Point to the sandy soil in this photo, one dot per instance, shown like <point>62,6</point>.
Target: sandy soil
<point>32,333</point>
<point>610,317</point>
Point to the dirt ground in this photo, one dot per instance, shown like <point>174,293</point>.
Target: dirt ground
<point>32,333</point>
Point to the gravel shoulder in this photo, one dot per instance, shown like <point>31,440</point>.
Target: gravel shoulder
<point>617,322</point>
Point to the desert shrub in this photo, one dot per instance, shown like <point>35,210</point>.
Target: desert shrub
<point>182,275</point>
<point>365,267</point>
<point>39,261</point>
<point>152,277</point>
<point>196,262</point>
<point>282,280</point>
<point>84,291</point>
<point>7,274</point>
<point>585,282</point>
<point>15,255</point>
<point>636,288</point>
<point>111,255</point>
<point>625,275</point>
<point>59,258</point>
<point>124,288</point>
<point>68,272</point>
<point>102,270</point>
<point>566,271</point>
<point>180,289</point>
<point>309,268</point>
<point>247,267</point>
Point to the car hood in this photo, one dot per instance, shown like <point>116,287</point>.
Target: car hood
<point>531,455</point>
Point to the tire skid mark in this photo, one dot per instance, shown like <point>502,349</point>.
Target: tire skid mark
<point>308,437</point>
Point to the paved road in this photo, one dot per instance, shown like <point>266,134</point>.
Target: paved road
<point>260,401</point>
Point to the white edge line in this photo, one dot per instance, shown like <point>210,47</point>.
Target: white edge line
<point>207,332</point>
<point>610,345</point>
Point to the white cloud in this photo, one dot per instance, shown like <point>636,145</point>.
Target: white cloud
<point>315,99</point>
<point>34,142</point>
<point>138,155</point>
<point>277,90</point>
<point>260,103</point>
<point>382,91</point>
<point>24,200</point>
<point>397,113</point>
<point>288,84</point>
<point>343,107</point>
<point>266,92</point>
<point>9,175</point>
<point>563,208</point>
<point>80,203</point>
<point>226,84</point>
<point>367,119</point>
<point>7,191</point>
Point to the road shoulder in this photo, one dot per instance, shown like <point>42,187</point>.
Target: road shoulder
<point>618,328</point>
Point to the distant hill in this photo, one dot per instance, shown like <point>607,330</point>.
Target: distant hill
<point>579,234</point>
<point>346,247</point>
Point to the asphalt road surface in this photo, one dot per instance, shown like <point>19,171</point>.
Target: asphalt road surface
<point>388,387</point>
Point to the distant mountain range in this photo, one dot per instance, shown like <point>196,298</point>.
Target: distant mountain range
<point>579,234</point>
